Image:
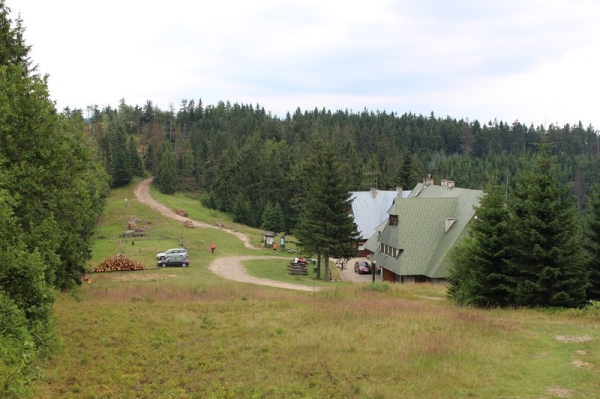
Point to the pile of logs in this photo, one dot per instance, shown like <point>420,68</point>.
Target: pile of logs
<point>118,263</point>
<point>189,224</point>
<point>181,212</point>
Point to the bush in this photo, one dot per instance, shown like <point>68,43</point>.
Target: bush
<point>592,310</point>
<point>16,349</point>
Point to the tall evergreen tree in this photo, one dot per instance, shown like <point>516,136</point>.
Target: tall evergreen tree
<point>120,171</point>
<point>479,274</point>
<point>326,226</point>
<point>51,194</point>
<point>273,218</point>
<point>407,175</point>
<point>166,175</point>
<point>149,158</point>
<point>135,162</point>
<point>593,244</point>
<point>242,211</point>
<point>547,254</point>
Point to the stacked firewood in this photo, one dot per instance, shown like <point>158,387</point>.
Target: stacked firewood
<point>189,224</point>
<point>181,212</point>
<point>118,263</point>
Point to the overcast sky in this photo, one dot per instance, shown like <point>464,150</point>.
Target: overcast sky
<point>527,60</point>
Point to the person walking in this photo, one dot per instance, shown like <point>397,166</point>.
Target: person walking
<point>212,248</point>
<point>274,247</point>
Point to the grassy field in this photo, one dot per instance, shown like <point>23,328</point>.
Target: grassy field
<point>187,333</point>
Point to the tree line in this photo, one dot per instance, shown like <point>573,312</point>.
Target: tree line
<point>242,160</point>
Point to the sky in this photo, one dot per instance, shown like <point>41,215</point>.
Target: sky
<point>532,61</point>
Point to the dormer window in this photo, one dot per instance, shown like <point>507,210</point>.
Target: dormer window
<point>393,221</point>
<point>449,223</point>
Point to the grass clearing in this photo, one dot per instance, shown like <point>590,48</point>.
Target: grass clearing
<point>276,269</point>
<point>187,333</point>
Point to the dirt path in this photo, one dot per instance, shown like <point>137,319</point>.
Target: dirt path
<point>230,268</point>
<point>142,193</point>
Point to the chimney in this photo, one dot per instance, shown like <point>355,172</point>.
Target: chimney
<point>374,192</point>
<point>428,180</point>
<point>399,191</point>
<point>444,183</point>
<point>450,184</point>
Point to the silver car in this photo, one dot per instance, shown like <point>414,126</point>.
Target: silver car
<point>172,251</point>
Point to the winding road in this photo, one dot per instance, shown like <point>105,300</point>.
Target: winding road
<point>230,268</point>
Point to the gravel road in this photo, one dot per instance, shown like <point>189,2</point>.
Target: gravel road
<point>230,268</point>
<point>142,193</point>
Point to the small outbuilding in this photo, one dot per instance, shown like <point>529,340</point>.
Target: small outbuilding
<point>268,237</point>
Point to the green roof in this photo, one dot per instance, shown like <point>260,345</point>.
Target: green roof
<point>421,233</point>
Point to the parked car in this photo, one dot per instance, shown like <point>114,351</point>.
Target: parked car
<point>174,260</point>
<point>362,267</point>
<point>172,251</point>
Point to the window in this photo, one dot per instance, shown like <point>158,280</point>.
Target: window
<point>389,250</point>
<point>393,221</point>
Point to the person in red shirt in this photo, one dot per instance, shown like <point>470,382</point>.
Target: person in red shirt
<point>274,247</point>
<point>212,248</point>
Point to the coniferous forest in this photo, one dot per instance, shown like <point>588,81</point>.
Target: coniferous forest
<point>242,160</point>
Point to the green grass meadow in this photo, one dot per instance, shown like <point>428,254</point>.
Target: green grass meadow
<point>187,333</point>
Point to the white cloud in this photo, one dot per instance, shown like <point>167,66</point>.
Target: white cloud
<point>530,60</point>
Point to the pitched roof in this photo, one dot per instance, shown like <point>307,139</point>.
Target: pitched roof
<point>370,208</point>
<point>373,242</point>
<point>430,221</point>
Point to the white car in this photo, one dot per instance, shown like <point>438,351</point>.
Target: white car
<point>172,251</point>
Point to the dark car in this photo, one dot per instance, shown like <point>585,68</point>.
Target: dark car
<point>362,267</point>
<point>174,260</point>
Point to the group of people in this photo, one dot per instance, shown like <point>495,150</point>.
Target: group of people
<point>300,259</point>
<point>341,263</point>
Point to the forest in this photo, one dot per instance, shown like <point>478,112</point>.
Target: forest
<point>240,159</point>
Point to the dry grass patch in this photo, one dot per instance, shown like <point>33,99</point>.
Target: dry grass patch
<point>185,339</point>
<point>572,338</point>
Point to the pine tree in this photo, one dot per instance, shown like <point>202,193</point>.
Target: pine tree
<point>407,176</point>
<point>135,162</point>
<point>326,226</point>
<point>149,158</point>
<point>242,212</point>
<point>121,170</point>
<point>547,255</point>
<point>273,218</point>
<point>186,168</point>
<point>166,175</point>
<point>593,244</point>
<point>51,194</point>
<point>479,274</point>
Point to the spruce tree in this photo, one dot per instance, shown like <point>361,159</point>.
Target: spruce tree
<point>593,244</point>
<point>273,218</point>
<point>479,274</point>
<point>135,162</point>
<point>547,256</point>
<point>325,226</point>
<point>242,211</point>
<point>51,194</point>
<point>166,175</point>
<point>407,176</point>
